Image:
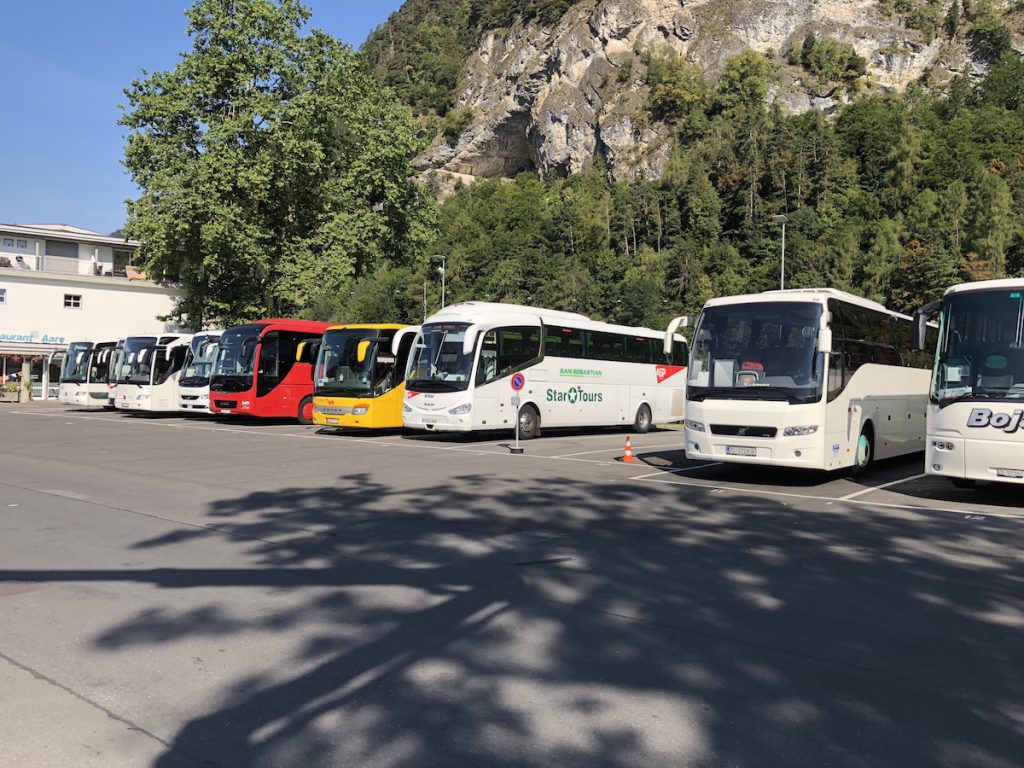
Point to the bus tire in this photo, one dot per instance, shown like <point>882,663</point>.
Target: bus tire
<point>305,414</point>
<point>642,422</point>
<point>963,482</point>
<point>529,423</point>
<point>865,451</point>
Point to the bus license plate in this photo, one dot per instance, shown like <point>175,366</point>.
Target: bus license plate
<point>740,450</point>
<point>1016,474</point>
<point>332,421</point>
<point>430,420</point>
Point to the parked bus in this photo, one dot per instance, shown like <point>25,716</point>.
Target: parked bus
<point>149,370</point>
<point>814,378</point>
<point>194,382</point>
<point>976,409</point>
<point>359,381</point>
<point>85,373</point>
<point>576,372</point>
<point>260,371</point>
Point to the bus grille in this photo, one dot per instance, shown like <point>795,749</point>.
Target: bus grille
<point>733,430</point>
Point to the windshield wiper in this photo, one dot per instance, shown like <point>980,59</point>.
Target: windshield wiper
<point>946,401</point>
<point>743,393</point>
<point>450,385</point>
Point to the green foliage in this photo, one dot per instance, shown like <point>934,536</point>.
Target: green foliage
<point>989,35</point>
<point>419,50</point>
<point>273,170</point>
<point>829,59</point>
<point>455,124</point>
<point>899,197</point>
<point>677,87</point>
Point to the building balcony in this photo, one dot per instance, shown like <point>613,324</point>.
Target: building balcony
<point>62,265</point>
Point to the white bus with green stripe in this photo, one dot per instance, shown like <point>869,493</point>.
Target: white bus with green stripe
<point>578,372</point>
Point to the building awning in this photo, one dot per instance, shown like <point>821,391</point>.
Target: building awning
<point>29,349</point>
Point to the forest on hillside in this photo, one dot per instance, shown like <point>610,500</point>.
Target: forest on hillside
<point>895,198</point>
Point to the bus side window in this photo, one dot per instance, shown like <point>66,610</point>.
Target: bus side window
<point>268,374</point>
<point>487,368</point>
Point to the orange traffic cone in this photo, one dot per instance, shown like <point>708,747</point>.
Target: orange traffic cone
<point>628,457</point>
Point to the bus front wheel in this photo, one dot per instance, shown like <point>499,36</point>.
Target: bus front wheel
<point>529,423</point>
<point>305,415</point>
<point>865,451</point>
<point>642,422</point>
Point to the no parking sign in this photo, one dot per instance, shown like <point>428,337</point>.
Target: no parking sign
<point>518,382</point>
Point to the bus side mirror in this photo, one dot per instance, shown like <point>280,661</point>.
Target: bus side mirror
<point>361,350</point>
<point>921,326</point>
<point>469,340</point>
<point>675,325</point>
<point>825,340</point>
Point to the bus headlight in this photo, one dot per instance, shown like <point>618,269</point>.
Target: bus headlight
<point>406,408</point>
<point>360,410</point>
<point>799,431</point>
<point>142,397</point>
<point>696,426</point>
<point>461,410</point>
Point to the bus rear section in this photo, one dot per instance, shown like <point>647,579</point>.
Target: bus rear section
<point>263,369</point>
<point>150,367</point>
<point>194,382</point>
<point>575,372</point>
<point>359,381</point>
<point>976,408</point>
<point>811,379</point>
<point>85,374</point>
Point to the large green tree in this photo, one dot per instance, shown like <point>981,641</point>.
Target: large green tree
<point>274,172</point>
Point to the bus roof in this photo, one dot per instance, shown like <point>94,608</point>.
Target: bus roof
<point>368,326</point>
<point>483,312</point>
<point>816,295</point>
<point>290,324</point>
<point>986,285</point>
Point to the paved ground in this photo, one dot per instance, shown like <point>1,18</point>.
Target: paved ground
<point>198,593</point>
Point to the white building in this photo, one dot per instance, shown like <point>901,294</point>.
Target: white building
<point>59,284</point>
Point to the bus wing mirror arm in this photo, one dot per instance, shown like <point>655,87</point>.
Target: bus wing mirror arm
<point>396,342</point>
<point>675,325</point>
<point>921,325</point>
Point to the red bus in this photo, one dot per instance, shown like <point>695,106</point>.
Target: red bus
<point>259,371</point>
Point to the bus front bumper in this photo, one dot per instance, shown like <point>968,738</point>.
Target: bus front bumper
<point>999,461</point>
<point>438,422</point>
<point>361,415</point>
<point>803,452</point>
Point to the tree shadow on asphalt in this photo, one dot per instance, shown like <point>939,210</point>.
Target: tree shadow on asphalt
<point>617,624</point>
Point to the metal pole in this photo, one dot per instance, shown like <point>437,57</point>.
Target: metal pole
<point>444,277</point>
<point>782,277</point>
<point>424,299</point>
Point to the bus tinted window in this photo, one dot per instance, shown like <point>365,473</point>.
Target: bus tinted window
<point>605,346</point>
<point>506,350</point>
<point>563,342</point>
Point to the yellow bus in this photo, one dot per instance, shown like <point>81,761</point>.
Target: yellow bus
<point>359,381</point>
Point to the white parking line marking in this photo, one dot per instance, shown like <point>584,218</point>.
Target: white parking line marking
<point>874,488</point>
<point>646,448</point>
<point>789,495</point>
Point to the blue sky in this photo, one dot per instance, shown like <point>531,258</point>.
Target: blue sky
<point>63,66</point>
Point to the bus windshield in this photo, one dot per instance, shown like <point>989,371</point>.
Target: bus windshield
<point>200,366</point>
<point>76,364</point>
<point>757,351</point>
<point>339,371</point>
<point>438,362</point>
<point>981,351</point>
<point>137,359</point>
<point>236,356</point>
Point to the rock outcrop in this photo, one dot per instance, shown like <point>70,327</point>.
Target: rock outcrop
<point>552,99</point>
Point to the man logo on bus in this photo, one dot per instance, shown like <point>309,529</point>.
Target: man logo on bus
<point>1009,423</point>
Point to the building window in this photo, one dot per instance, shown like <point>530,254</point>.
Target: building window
<point>23,244</point>
<point>121,260</point>
<point>8,242</point>
<point>73,300</point>
<point>62,249</point>
<point>3,295</point>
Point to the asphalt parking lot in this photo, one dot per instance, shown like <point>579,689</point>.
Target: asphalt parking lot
<point>194,592</point>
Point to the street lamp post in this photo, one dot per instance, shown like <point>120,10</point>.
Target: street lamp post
<point>782,270</point>
<point>441,269</point>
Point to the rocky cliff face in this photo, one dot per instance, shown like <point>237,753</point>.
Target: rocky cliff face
<point>551,99</point>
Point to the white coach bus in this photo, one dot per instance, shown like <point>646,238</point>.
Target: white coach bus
<point>576,372</point>
<point>86,372</point>
<point>148,372</point>
<point>976,413</point>
<point>815,379</point>
<point>194,382</point>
